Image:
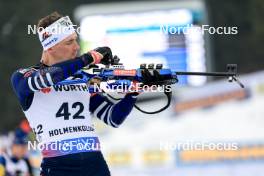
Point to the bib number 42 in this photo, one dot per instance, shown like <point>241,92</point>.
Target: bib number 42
<point>66,111</point>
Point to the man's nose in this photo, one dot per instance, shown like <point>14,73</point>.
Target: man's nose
<point>77,46</point>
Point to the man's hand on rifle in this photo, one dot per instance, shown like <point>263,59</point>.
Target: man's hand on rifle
<point>105,55</point>
<point>101,55</point>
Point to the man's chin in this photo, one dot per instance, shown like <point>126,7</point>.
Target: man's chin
<point>73,56</point>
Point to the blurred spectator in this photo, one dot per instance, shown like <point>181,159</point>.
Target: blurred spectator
<point>14,161</point>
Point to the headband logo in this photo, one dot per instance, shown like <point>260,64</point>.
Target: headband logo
<point>45,35</point>
<point>65,23</point>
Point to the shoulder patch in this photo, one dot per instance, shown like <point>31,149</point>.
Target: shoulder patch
<point>24,70</point>
<point>27,71</point>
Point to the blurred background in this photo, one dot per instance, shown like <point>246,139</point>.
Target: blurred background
<point>203,110</point>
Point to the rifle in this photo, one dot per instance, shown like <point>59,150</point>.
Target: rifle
<point>115,75</point>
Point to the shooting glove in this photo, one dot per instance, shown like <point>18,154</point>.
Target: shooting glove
<point>106,53</point>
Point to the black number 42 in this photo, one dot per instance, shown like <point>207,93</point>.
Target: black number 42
<point>64,111</point>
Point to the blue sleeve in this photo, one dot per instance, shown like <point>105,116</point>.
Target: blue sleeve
<point>110,113</point>
<point>2,161</point>
<point>26,81</point>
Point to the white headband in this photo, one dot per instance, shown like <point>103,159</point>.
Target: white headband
<point>56,32</point>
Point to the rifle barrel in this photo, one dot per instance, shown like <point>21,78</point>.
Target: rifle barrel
<point>206,73</point>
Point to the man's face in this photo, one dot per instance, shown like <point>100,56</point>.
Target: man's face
<point>65,50</point>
